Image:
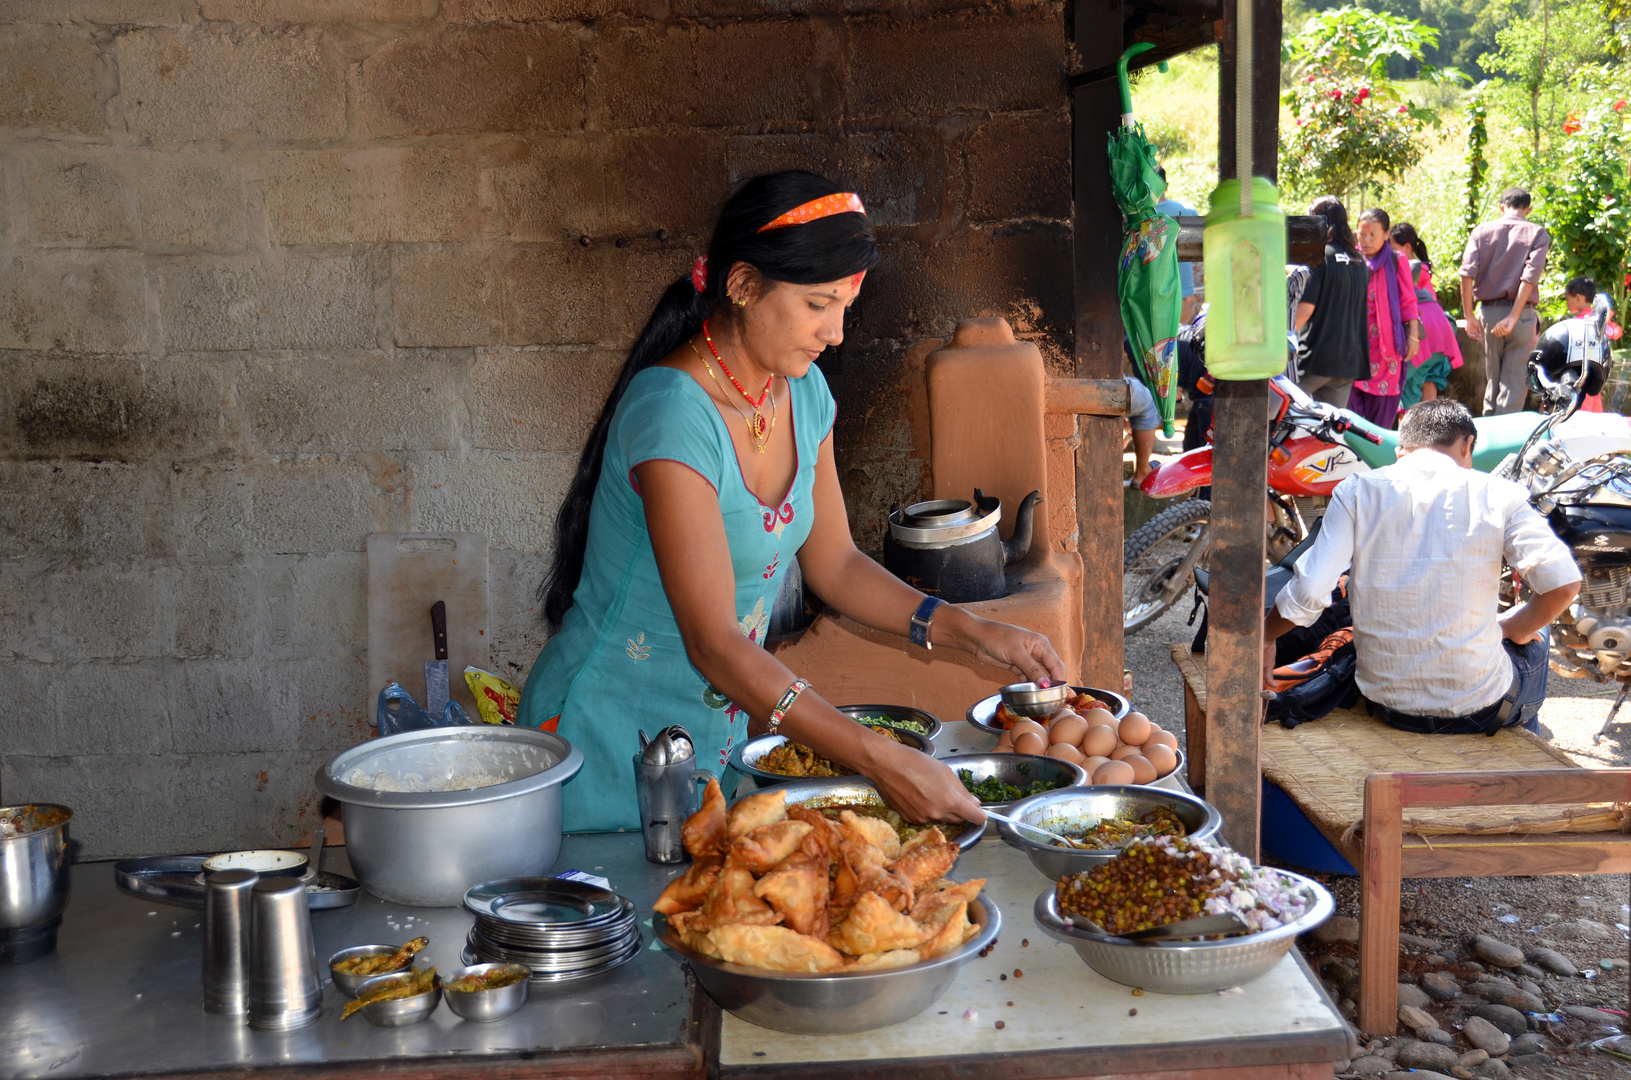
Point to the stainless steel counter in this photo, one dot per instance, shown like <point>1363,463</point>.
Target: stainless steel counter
<point>122,994</point>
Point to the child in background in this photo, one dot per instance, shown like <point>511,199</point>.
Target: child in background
<point>1439,353</point>
<point>1577,297</point>
<point>1394,324</point>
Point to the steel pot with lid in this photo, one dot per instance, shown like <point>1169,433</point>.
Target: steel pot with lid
<point>950,548</point>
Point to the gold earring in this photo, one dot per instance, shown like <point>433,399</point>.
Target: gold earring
<point>739,303</point>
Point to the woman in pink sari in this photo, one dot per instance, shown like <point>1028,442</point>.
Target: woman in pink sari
<point>1394,322</point>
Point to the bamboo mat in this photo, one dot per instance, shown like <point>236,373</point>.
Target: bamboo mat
<point>1322,765</point>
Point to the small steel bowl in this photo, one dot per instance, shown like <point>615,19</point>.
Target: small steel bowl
<point>1185,967</point>
<point>824,791</point>
<point>485,1005</point>
<point>891,715</point>
<point>744,757</point>
<point>399,1012</point>
<point>1020,770</point>
<point>838,1003</point>
<point>1029,699</point>
<point>266,863</point>
<point>983,713</point>
<point>1074,809</point>
<point>350,984</point>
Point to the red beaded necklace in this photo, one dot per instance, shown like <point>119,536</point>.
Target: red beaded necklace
<point>721,360</point>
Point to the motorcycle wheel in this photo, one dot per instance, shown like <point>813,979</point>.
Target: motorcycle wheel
<point>1152,555</point>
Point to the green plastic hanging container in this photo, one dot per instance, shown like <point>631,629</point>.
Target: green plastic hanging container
<point>1245,283</point>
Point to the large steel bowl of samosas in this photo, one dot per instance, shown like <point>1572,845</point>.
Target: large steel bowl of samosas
<point>836,1003</point>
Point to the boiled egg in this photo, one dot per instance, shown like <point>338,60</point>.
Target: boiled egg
<point>1162,756</point>
<point>1030,743</point>
<point>1124,751</point>
<point>1021,727</point>
<point>1091,764</point>
<point>1165,738</point>
<point>1065,752</point>
<point>1067,729</point>
<point>1143,771</point>
<point>1099,740</point>
<point>1113,772</point>
<point>1134,729</point>
<point>1100,716</point>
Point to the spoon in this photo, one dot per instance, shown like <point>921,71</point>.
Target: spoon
<point>1225,925</point>
<point>1052,838</point>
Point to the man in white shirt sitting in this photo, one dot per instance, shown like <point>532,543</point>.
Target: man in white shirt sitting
<point>1425,538</point>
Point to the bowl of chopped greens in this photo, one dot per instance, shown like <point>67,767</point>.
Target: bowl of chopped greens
<point>899,717</point>
<point>1000,779</point>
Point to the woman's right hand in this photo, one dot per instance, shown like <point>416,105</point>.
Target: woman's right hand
<point>920,787</point>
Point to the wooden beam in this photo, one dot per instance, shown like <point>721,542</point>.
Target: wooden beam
<point>1096,111</point>
<point>1305,239</point>
<point>1169,42</point>
<point>1268,23</point>
<point>1088,397</point>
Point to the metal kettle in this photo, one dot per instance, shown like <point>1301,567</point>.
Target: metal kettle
<point>950,548</point>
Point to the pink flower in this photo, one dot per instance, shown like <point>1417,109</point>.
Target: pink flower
<point>1403,109</point>
<point>1619,105</point>
<point>1334,95</point>
<point>1572,124</point>
<point>1364,92</point>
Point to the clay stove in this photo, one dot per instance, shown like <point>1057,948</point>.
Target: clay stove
<point>999,423</point>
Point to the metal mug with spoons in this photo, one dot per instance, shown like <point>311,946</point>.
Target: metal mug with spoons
<point>665,784</point>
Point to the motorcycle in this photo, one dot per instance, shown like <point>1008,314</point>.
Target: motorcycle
<point>1576,466</point>
<point>1313,447</point>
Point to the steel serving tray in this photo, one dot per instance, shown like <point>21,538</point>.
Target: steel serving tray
<point>178,879</point>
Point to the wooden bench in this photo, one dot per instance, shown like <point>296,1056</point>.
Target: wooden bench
<point>1360,805</point>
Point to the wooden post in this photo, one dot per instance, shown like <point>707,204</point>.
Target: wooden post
<point>1234,636</point>
<point>1379,905</point>
<point>1097,225</point>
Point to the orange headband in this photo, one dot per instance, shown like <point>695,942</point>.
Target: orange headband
<point>845,202</point>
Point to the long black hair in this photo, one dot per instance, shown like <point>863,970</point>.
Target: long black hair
<point>1405,233</point>
<point>1337,229</point>
<point>823,250</point>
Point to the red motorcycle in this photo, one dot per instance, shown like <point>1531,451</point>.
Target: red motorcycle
<point>1307,457</point>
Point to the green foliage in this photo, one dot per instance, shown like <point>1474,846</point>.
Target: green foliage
<point>1541,52</point>
<point>1352,126</point>
<point>1586,203</point>
<point>1477,115</point>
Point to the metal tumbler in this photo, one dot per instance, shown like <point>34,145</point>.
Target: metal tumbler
<point>284,989</point>
<point>226,941</point>
<point>667,796</point>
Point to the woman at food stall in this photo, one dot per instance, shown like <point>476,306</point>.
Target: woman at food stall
<point>709,470</point>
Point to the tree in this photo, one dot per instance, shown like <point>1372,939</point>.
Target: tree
<point>1352,126</point>
<point>1541,51</point>
<point>1586,203</point>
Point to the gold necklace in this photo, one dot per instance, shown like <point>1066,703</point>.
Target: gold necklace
<point>759,431</point>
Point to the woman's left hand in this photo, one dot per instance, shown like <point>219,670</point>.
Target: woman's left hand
<point>1013,647</point>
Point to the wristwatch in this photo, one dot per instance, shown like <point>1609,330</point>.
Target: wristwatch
<point>920,621</point>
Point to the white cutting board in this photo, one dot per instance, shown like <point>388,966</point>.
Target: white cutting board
<point>407,573</point>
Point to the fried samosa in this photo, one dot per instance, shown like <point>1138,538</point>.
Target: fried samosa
<point>926,863</point>
<point>797,889</point>
<point>765,808</point>
<point>703,833</point>
<point>934,905</point>
<point>870,830</point>
<point>690,889</point>
<point>874,925</point>
<point>883,961</point>
<point>955,930</point>
<point>775,948</point>
<point>730,899</point>
<point>768,845</point>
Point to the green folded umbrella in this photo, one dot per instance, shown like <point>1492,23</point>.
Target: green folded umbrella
<point>1147,283</point>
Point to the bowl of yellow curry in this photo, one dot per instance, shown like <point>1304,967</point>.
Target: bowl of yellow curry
<point>776,759</point>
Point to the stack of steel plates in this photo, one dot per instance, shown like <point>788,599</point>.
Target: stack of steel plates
<point>560,929</point>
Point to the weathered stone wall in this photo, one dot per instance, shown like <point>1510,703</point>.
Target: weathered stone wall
<point>277,274</point>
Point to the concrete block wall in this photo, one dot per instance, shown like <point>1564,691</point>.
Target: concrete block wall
<point>277,274</point>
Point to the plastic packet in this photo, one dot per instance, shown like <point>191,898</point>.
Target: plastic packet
<point>496,700</point>
<point>397,712</point>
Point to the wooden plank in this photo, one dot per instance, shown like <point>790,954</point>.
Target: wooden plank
<point>1380,876</point>
<point>655,1063</point>
<point>1305,239</point>
<point>1559,853</point>
<point>1087,397</point>
<point>1096,110</point>
<point>1195,739</point>
<point>1234,670</point>
<point>1515,787</point>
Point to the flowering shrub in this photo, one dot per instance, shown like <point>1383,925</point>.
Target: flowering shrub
<point>1586,204</point>
<point>1347,133</point>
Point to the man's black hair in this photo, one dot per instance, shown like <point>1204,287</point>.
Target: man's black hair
<point>1160,170</point>
<point>1515,198</point>
<point>1581,286</point>
<point>1441,422</point>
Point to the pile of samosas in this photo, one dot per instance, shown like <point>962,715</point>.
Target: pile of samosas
<point>789,889</point>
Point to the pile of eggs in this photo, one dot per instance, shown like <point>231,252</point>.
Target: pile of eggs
<point>1134,751</point>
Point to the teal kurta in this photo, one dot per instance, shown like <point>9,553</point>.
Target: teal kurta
<point>618,662</point>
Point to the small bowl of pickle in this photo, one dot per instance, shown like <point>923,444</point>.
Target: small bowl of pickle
<point>1000,780</point>
<point>486,992</point>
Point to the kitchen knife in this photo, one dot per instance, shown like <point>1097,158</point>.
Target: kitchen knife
<point>436,692</point>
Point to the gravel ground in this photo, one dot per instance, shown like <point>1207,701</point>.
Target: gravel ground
<point>1581,917</point>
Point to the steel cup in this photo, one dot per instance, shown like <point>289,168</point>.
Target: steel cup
<point>226,941</point>
<point>667,795</point>
<point>284,990</point>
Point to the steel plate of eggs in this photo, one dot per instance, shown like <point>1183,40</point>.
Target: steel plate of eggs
<point>1133,751</point>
